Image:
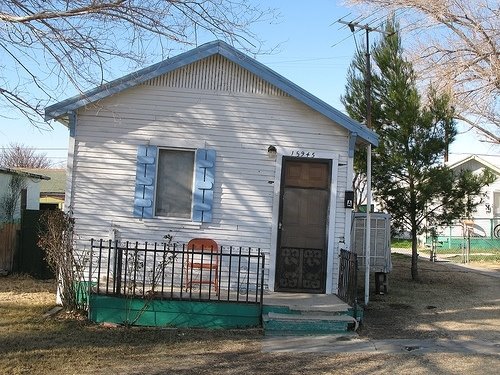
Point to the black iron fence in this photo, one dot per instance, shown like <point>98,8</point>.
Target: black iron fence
<point>171,271</point>
<point>348,277</point>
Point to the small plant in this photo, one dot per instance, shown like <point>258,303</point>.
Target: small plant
<point>57,240</point>
<point>135,265</point>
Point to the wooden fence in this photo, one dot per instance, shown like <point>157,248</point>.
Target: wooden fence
<point>8,245</point>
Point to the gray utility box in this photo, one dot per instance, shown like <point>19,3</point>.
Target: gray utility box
<point>380,241</point>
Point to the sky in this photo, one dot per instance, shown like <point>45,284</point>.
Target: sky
<point>314,51</point>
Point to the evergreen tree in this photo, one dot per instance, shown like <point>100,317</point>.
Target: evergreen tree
<point>408,175</point>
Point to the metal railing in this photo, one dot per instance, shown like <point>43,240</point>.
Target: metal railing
<point>159,271</point>
<point>348,277</point>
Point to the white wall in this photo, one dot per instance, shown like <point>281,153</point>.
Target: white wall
<point>33,193</point>
<point>484,219</point>
<point>238,125</point>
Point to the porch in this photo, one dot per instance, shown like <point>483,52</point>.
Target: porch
<point>150,285</point>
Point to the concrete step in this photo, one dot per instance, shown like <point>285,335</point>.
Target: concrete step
<point>307,324</point>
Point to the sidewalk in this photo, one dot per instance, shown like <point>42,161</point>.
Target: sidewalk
<point>354,344</point>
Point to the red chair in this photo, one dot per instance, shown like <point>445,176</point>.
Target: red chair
<point>202,256</point>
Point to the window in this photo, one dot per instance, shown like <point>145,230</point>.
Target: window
<point>174,184</point>
<point>496,203</point>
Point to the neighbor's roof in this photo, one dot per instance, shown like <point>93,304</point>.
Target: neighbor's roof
<point>23,173</point>
<point>57,182</point>
<point>489,161</point>
<point>61,109</point>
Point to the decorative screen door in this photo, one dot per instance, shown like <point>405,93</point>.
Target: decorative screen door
<point>302,241</point>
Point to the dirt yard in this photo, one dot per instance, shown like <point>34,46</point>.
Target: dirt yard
<point>447,303</point>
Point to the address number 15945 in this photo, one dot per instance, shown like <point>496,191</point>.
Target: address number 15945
<point>302,154</point>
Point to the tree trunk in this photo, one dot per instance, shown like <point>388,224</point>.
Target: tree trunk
<point>414,254</point>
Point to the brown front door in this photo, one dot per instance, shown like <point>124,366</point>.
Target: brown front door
<point>302,242</point>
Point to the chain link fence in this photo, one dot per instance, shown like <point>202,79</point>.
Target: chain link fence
<point>467,240</point>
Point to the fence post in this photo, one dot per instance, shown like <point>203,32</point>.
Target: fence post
<point>118,268</point>
<point>89,288</point>
<point>262,284</point>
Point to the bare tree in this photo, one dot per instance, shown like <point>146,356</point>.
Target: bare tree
<point>456,48</point>
<point>359,184</point>
<point>48,45</point>
<point>20,156</point>
<point>57,241</point>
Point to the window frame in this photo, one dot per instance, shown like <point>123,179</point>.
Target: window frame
<point>193,181</point>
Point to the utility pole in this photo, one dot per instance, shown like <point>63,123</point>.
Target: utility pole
<point>368,97</point>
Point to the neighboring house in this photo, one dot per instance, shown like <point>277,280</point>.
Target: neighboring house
<point>26,195</point>
<point>487,213</point>
<point>51,191</point>
<point>486,217</point>
<point>18,190</point>
<point>211,143</point>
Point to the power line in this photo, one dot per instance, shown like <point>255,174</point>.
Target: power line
<point>37,148</point>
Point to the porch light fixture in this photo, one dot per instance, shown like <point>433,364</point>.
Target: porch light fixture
<point>271,151</point>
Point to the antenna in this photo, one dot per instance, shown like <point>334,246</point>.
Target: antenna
<point>353,26</point>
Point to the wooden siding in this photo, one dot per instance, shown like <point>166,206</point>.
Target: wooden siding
<point>216,73</point>
<point>238,125</point>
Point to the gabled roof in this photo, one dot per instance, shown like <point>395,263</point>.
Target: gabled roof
<point>62,109</point>
<point>476,158</point>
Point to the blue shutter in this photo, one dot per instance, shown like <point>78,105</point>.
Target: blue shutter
<point>203,196</point>
<point>145,181</point>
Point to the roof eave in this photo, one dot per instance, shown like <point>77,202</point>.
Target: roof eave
<point>23,173</point>
<point>476,158</point>
<point>59,110</point>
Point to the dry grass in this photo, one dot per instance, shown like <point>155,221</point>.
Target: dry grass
<point>466,306</point>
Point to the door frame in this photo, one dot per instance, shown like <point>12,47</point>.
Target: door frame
<point>328,162</point>
<point>331,231</point>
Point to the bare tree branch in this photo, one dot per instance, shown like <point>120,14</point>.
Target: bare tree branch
<point>17,155</point>
<point>51,46</point>
<point>455,45</point>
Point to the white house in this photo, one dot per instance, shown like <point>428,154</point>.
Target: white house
<point>26,194</point>
<point>211,143</point>
<point>487,214</point>
<point>18,190</point>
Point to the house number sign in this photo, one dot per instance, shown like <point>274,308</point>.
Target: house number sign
<point>302,154</point>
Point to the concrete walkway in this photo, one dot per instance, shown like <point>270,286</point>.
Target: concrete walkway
<point>354,344</point>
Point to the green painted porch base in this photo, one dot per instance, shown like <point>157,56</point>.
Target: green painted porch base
<point>166,313</point>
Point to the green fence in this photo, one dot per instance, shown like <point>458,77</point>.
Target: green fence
<point>452,245</point>
<point>478,235</point>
